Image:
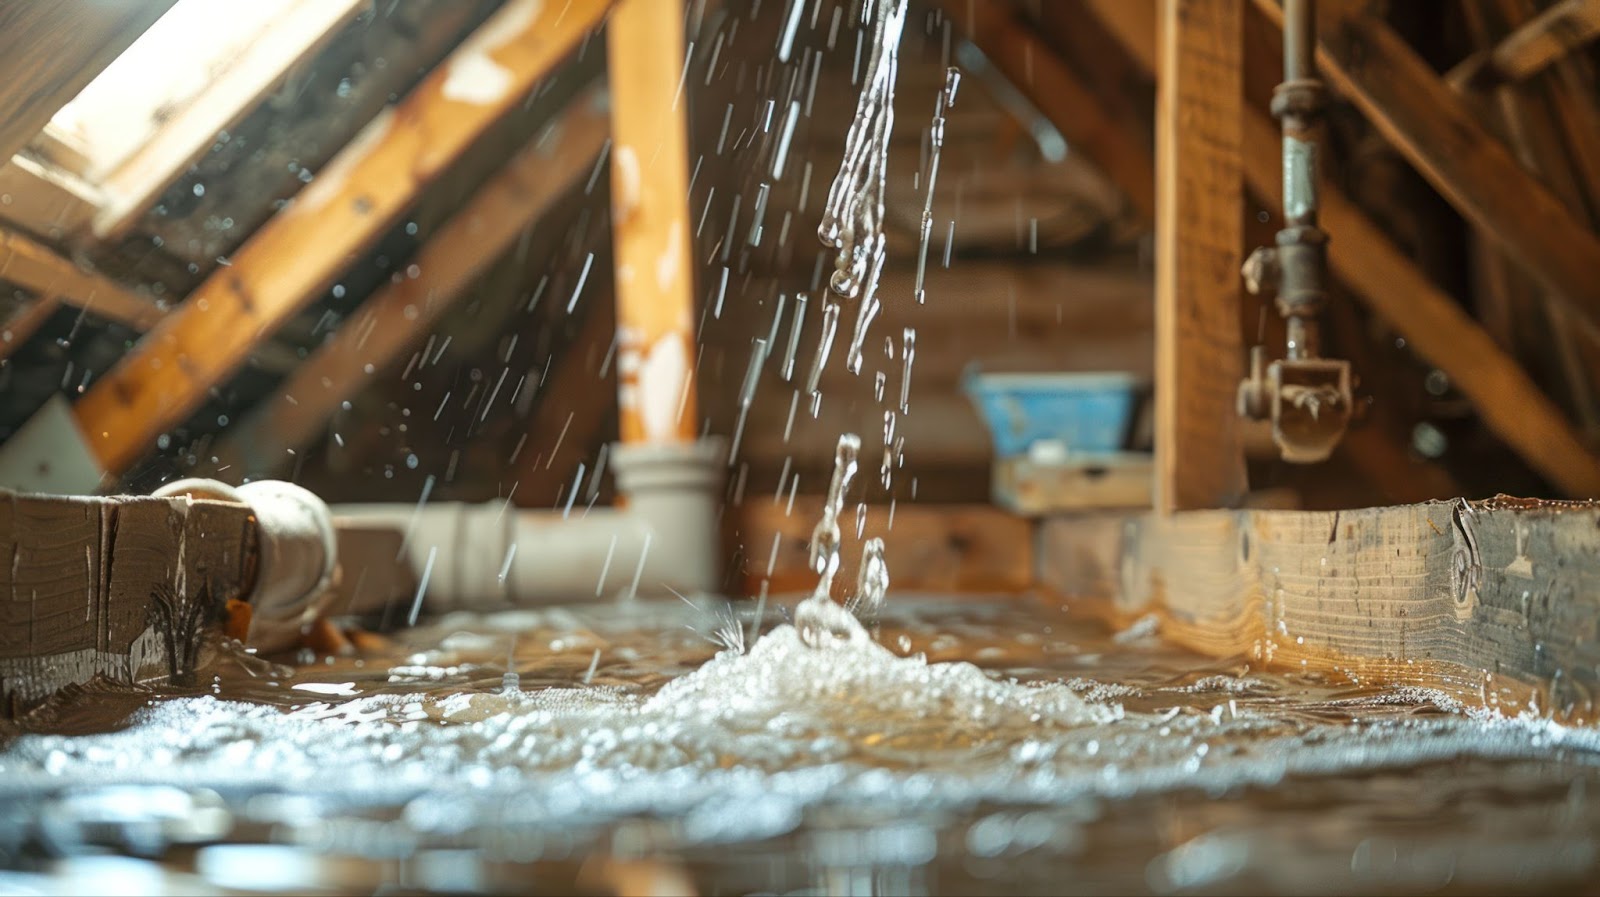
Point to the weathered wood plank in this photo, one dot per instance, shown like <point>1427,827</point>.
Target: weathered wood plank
<point>1493,602</point>
<point>931,548</point>
<point>398,315</point>
<point>1199,248</point>
<point>89,586</point>
<point>49,51</point>
<point>1533,47</point>
<point>299,253</point>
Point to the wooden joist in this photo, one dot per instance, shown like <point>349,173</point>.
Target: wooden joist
<point>49,51</point>
<point>1051,85</point>
<point>43,201</point>
<point>36,267</point>
<point>1370,65</point>
<point>79,595</point>
<point>400,314</point>
<point>1494,602</point>
<point>650,222</point>
<point>1199,248</point>
<point>135,184</point>
<point>20,327</point>
<point>1434,325</point>
<point>303,249</point>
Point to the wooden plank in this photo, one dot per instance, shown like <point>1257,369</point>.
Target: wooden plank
<point>1034,489</point>
<point>1199,249</point>
<point>31,265</point>
<point>78,584</point>
<point>1051,85</point>
<point>135,184</point>
<point>1366,62</point>
<point>650,222</point>
<point>43,202</point>
<point>398,315</point>
<point>1533,47</point>
<point>49,51</point>
<point>947,549</point>
<point>1493,601</point>
<point>1434,325</point>
<point>301,250</point>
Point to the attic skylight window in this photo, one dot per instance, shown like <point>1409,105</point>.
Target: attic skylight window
<point>156,108</point>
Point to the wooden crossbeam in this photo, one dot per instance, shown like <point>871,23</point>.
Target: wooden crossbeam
<point>400,314</point>
<point>1051,85</point>
<point>1199,247</point>
<point>16,330</point>
<point>1533,47</point>
<point>650,222</point>
<point>31,265</point>
<point>1366,62</point>
<point>302,250</point>
<point>49,51</point>
<point>135,184</point>
<point>1434,325</point>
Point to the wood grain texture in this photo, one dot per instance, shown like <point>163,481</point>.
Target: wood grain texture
<point>49,51</point>
<point>398,315</point>
<point>947,549</point>
<point>303,249</point>
<point>120,587</point>
<point>1493,602</point>
<point>650,222</point>
<point>1199,247</point>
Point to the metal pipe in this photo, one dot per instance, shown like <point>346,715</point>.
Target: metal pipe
<point>1302,245</point>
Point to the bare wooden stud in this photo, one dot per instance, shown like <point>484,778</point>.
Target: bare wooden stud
<point>298,253</point>
<point>1199,243</point>
<point>29,264</point>
<point>650,222</point>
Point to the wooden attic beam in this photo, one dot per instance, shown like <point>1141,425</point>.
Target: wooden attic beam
<point>28,264</point>
<point>135,184</point>
<point>50,50</point>
<point>1535,46</point>
<point>1051,85</point>
<point>1370,65</point>
<point>399,314</point>
<point>1199,459</point>
<point>300,252</point>
<point>16,330</point>
<point>1433,324</point>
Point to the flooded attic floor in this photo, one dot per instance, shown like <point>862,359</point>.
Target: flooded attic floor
<point>983,745</point>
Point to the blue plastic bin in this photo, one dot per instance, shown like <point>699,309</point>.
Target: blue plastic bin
<point>1084,413</point>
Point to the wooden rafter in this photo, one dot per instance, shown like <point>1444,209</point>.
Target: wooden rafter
<point>135,184</point>
<point>1199,247</point>
<point>21,326</point>
<point>301,251</point>
<point>1434,325</point>
<point>49,51</point>
<point>1366,62</point>
<point>1068,103</point>
<point>29,264</point>
<point>398,315</point>
<point>1533,47</point>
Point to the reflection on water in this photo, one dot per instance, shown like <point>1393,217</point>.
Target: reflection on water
<point>975,746</point>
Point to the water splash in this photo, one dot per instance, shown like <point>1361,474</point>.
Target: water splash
<point>825,537</point>
<point>852,221</point>
<point>946,99</point>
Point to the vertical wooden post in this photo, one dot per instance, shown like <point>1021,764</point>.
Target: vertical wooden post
<point>650,222</point>
<point>1199,240</point>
